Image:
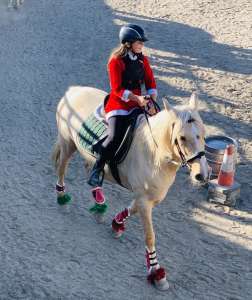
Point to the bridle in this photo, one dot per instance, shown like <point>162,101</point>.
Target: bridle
<point>184,161</point>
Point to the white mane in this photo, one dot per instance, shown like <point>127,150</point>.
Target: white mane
<point>158,142</point>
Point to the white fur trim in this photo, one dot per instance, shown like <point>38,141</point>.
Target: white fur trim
<point>119,112</point>
<point>152,92</point>
<point>125,96</point>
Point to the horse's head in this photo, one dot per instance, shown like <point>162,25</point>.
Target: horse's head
<point>187,138</point>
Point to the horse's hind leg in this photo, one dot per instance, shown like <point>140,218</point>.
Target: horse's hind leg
<point>62,154</point>
<point>118,223</point>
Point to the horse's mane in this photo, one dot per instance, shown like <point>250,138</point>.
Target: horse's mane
<point>165,126</point>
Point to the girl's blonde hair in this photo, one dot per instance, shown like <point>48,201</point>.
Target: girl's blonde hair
<point>120,51</point>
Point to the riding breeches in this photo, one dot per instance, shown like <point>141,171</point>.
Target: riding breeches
<point>117,127</point>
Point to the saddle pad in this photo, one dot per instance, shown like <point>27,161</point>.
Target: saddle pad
<point>91,132</point>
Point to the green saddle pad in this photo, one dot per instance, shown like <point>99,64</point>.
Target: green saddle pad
<point>92,131</point>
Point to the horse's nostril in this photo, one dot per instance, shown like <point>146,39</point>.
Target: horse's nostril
<point>199,177</point>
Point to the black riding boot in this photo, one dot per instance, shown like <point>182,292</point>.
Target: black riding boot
<point>97,173</point>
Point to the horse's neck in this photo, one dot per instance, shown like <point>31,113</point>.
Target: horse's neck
<point>146,160</point>
<point>158,135</point>
<point>154,140</point>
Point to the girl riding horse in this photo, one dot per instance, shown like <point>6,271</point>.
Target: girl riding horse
<point>128,70</point>
<point>150,167</point>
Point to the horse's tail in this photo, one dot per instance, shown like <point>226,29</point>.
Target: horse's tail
<point>56,154</point>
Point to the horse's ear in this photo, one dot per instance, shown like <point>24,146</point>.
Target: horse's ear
<point>193,102</point>
<point>167,105</point>
<point>170,109</point>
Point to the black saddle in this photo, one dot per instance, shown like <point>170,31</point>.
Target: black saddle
<point>124,146</point>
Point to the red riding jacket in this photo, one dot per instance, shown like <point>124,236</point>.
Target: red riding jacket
<point>118,102</point>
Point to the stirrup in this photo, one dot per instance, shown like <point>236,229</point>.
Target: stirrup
<point>96,177</point>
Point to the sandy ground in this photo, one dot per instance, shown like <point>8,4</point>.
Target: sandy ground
<point>48,253</point>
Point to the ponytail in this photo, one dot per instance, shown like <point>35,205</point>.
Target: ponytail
<point>120,51</point>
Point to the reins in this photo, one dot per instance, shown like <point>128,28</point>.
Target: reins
<point>146,114</point>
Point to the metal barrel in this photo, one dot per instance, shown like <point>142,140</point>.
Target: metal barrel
<point>215,146</point>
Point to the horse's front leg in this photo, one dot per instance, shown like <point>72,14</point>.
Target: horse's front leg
<point>156,274</point>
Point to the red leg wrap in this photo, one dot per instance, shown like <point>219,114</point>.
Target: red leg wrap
<point>118,227</point>
<point>122,216</point>
<point>118,223</point>
<point>98,195</point>
<point>156,275</point>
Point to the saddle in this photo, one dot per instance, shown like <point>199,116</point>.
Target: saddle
<point>93,133</point>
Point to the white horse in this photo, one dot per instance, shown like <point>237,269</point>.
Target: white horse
<point>15,3</point>
<point>150,166</point>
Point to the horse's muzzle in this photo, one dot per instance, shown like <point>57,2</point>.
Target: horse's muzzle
<point>197,156</point>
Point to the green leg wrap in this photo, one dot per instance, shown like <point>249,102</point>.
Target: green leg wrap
<point>99,208</point>
<point>62,200</point>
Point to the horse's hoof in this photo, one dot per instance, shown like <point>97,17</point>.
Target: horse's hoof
<point>158,279</point>
<point>63,199</point>
<point>162,284</point>
<point>117,229</point>
<point>99,211</point>
<point>116,234</point>
<point>64,209</point>
<point>99,218</point>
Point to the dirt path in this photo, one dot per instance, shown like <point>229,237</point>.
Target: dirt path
<point>47,253</point>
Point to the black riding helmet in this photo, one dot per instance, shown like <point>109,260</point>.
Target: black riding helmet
<point>131,33</point>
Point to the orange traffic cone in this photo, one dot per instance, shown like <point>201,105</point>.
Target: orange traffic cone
<point>226,175</point>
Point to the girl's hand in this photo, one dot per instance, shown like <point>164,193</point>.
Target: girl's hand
<point>152,111</point>
<point>151,107</point>
<point>142,101</point>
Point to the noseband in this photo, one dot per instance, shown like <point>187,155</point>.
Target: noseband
<point>184,161</point>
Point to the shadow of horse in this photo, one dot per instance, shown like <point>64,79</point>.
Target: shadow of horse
<point>67,250</point>
<point>179,51</point>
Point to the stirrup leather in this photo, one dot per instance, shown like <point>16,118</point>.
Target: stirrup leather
<point>96,177</point>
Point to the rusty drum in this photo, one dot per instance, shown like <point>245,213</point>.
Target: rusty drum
<point>215,146</point>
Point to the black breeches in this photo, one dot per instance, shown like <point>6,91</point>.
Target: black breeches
<point>117,126</point>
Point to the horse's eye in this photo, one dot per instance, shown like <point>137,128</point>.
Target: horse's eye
<point>182,138</point>
<point>191,120</point>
